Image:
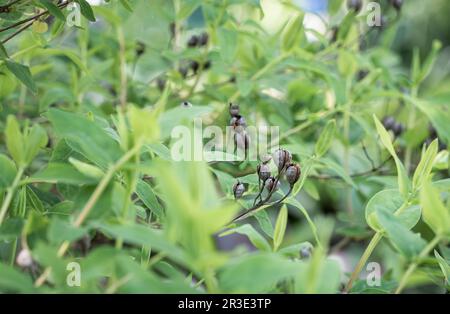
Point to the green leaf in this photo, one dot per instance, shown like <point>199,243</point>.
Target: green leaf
<point>347,64</point>
<point>255,238</point>
<point>34,140</point>
<point>61,230</point>
<point>87,169</point>
<point>61,173</point>
<point>318,275</point>
<point>126,5</point>
<point>86,137</point>
<point>324,141</point>
<point>143,124</point>
<point>390,200</point>
<point>3,53</point>
<point>143,235</point>
<point>402,177</point>
<point>280,227</point>
<point>444,265</point>
<point>8,171</point>
<point>256,273</point>
<point>429,62</point>
<point>14,140</point>
<point>22,73</point>
<point>86,10</point>
<point>11,280</point>
<point>408,243</point>
<point>423,170</point>
<point>292,33</point>
<point>11,229</point>
<point>33,201</point>
<point>435,214</point>
<point>53,9</point>
<point>264,222</point>
<point>148,197</point>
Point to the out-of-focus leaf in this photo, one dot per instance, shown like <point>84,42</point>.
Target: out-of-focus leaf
<point>280,228</point>
<point>435,214</point>
<point>408,243</point>
<point>8,171</point>
<point>255,238</point>
<point>22,73</point>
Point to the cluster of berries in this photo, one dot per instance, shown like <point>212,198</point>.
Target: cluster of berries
<point>193,42</point>
<point>283,161</point>
<point>391,124</point>
<point>188,65</point>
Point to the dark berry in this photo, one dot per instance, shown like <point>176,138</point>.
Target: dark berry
<point>238,190</point>
<point>397,4</point>
<point>293,173</point>
<point>388,122</point>
<point>161,83</point>
<point>203,39</point>
<point>305,252</point>
<point>194,65</point>
<point>140,48</point>
<point>186,104</point>
<point>398,128</point>
<point>207,65</point>
<point>355,5</point>
<point>193,41</point>
<point>183,71</point>
<point>362,74</point>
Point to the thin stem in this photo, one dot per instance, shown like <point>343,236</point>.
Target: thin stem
<point>413,266</point>
<point>410,124</point>
<point>363,260</point>
<point>123,69</point>
<point>10,193</point>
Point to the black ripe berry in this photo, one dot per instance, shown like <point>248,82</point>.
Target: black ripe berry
<point>207,65</point>
<point>203,39</point>
<point>193,41</point>
<point>238,190</point>
<point>183,71</point>
<point>186,104</point>
<point>334,33</point>
<point>362,74</point>
<point>398,129</point>
<point>305,252</point>
<point>140,48</point>
<point>391,124</point>
<point>355,5</point>
<point>388,122</point>
<point>161,83</point>
<point>397,4</point>
<point>194,66</point>
<point>293,173</point>
<point>234,110</point>
<point>263,172</point>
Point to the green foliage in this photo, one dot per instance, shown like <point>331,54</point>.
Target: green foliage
<point>88,125</point>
